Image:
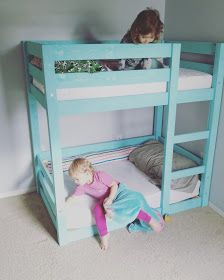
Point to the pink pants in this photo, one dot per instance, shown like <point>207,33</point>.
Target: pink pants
<point>99,215</point>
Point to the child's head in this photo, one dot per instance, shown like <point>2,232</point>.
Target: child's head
<point>81,170</point>
<point>147,27</point>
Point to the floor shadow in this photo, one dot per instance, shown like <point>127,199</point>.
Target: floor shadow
<point>37,209</point>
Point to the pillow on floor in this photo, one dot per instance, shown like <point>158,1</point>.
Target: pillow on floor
<point>149,159</point>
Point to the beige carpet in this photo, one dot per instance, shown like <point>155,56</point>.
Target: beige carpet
<point>191,247</point>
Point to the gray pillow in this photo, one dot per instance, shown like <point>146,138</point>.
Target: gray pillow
<point>149,159</point>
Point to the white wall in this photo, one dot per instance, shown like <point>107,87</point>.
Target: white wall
<point>198,20</point>
<point>55,20</point>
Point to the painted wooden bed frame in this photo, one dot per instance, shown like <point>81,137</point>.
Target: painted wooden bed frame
<point>51,186</point>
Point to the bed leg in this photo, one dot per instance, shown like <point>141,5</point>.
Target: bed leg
<point>167,218</point>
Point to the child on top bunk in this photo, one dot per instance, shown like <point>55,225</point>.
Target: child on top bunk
<point>115,201</point>
<point>146,28</point>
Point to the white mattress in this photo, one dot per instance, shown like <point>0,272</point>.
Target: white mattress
<point>78,213</point>
<point>188,80</point>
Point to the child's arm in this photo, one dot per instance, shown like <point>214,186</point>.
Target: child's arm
<point>113,190</point>
<point>71,198</point>
<point>78,191</point>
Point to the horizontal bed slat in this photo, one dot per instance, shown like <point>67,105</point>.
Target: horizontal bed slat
<point>70,80</point>
<point>38,95</point>
<point>196,47</point>
<point>191,136</point>
<point>185,205</point>
<point>196,95</point>
<point>112,103</point>
<point>207,68</point>
<point>107,51</point>
<point>52,215</point>
<point>188,172</point>
<point>34,48</point>
<point>36,73</point>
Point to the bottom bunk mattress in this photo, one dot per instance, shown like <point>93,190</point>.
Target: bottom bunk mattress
<point>78,213</point>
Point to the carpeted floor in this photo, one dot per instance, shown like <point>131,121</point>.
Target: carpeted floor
<point>191,247</point>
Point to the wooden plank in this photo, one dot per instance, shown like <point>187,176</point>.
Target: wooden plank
<point>187,137</point>
<point>196,95</point>
<point>213,120</point>
<point>103,146</point>
<point>52,216</point>
<point>38,95</point>
<point>185,205</point>
<point>48,192</point>
<point>188,172</point>
<point>169,134</point>
<point>196,47</point>
<point>207,68</point>
<point>33,117</point>
<point>54,140</point>
<point>111,103</point>
<point>107,51</point>
<point>36,73</point>
<point>158,121</point>
<point>34,48</point>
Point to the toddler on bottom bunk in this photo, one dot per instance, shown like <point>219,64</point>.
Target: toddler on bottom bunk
<point>115,201</point>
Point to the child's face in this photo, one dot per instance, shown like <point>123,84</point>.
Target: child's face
<point>82,178</point>
<point>147,38</point>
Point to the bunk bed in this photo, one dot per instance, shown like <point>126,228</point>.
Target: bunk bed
<point>79,93</point>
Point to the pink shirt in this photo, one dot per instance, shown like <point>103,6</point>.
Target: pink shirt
<point>100,186</point>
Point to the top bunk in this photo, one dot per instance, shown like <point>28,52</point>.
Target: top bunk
<point>186,78</point>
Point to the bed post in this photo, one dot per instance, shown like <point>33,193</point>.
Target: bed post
<point>170,128</point>
<point>213,119</point>
<point>158,122</point>
<point>54,140</point>
<point>33,118</point>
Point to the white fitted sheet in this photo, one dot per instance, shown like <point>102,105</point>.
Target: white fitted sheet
<point>188,79</point>
<point>78,213</point>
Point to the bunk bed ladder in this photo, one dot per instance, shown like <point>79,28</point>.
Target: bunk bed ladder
<point>170,127</point>
<point>213,119</point>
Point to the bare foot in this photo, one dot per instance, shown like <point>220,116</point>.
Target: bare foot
<point>104,242</point>
<point>155,225</point>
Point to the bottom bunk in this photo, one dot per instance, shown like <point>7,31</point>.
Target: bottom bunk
<point>78,214</point>
<point>76,217</point>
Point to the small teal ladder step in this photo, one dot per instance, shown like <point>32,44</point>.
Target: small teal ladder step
<point>188,172</point>
<point>191,136</point>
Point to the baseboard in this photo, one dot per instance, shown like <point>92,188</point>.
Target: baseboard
<point>18,192</point>
<point>216,209</point>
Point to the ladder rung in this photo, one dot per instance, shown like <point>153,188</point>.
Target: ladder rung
<point>188,172</point>
<point>191,136</point>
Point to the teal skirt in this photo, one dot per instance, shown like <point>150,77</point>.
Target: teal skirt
<point>126,206</point>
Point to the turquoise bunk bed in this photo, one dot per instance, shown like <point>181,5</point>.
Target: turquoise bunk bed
<point>50,185</point>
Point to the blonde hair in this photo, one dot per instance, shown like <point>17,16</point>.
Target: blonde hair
<point>80,165</point>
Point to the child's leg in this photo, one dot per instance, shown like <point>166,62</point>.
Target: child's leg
<point>154,224</point>
<point>143,216</point>
<point>101,225</point>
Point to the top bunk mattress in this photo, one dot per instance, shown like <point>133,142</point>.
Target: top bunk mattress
<point>188,80</point>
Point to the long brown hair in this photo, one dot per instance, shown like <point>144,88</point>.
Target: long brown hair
<point>147,21</point>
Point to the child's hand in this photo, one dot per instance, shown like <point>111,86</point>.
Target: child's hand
<point>70,199</point>
<point>147,63</point>
<point>107,202</point>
